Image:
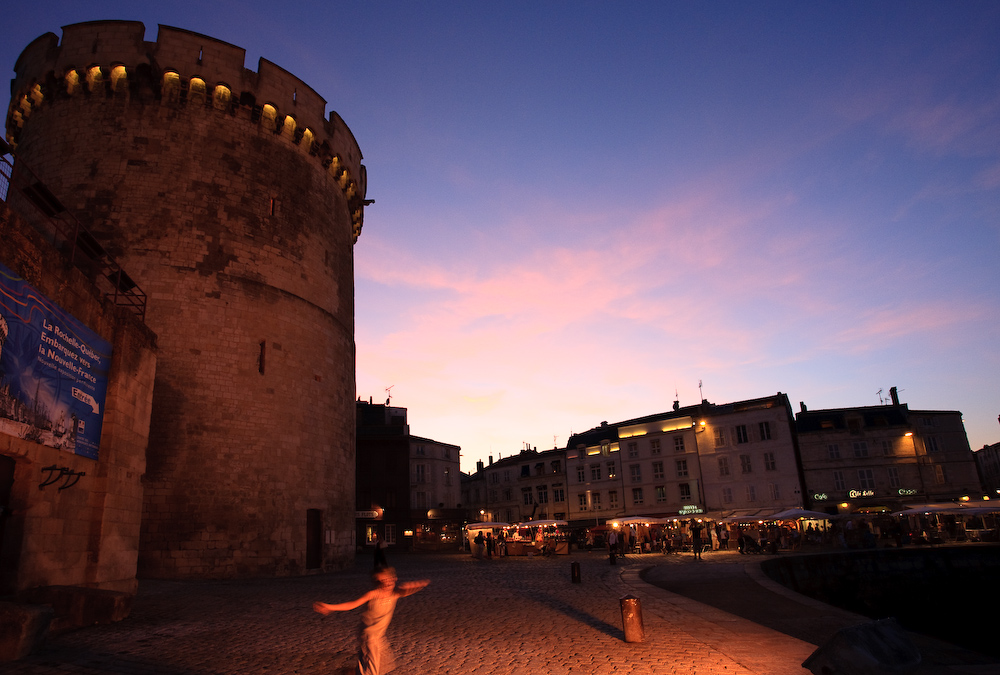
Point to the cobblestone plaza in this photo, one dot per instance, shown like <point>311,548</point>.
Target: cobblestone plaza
<point>510,615</point>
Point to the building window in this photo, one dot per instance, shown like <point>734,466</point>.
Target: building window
<point>556,466</point>
<point>558,494</point>
<point>682,468</point>
<point>633,449</point>
<point>525,471</point>
<point>741,434</point>
<point>833,451</point>
<point>678,444</point>
<point>931,443</point>
<point>613,499</point>
<point>506,475</point>
<point>685,489</point>
<point>751,493</point>
<point>657,470</point>
<point>421,471</point>
<point>540,469</point>
<point>420,450</point>
<point>595,472</point>
<point>866,479</point>
<point>526,496</point>
<point>636,472</point>
<point>887,448</point>
<point>583,502</point>
<point>727,495</point>
<point>421,500</point>
<point>860,448</point>
<point>581,474</point>
<point>720,437</point>
<point>637,496</point>
<point>765,431</point>
<point>723,466</point>
<point>612,472</point>
<point>775,491</point>
<point>940,477</point>
<point>769,463</point>
<point>543,494</point>
<point>595,500</point>
<point>654,446</point>
<point>893,477</point>
<point>854,426</point>
<point>838,481</point>
<point>507,494</point>
<point>745,466</point>
<point>447,453</point>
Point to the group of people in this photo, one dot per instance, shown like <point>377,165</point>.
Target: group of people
<point>489,545</point>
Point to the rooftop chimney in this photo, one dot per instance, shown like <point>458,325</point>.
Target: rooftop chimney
<point>491,460</point>
<point>895,395</point>
<point>802,404</point>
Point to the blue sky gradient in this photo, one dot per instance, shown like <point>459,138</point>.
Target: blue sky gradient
<point>585,207</point>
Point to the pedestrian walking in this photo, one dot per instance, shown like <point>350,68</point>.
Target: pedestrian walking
<point>696,528</point>
<point>374,654</point>
<point>380,547</point>
<point>612,545</point>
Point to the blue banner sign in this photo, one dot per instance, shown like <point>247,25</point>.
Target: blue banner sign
<point>53,371</point>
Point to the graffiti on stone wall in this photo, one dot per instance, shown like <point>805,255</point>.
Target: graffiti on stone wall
<point>53,371</point>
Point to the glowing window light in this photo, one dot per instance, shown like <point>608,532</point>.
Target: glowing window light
<point>197,90</point>
<point>119,78</point>
<point>221,97</point>
<point>94,77</point>
<point>72,80</point>
<point>269,116</point>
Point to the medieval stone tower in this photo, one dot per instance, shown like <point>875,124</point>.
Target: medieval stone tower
<point>234,203</point>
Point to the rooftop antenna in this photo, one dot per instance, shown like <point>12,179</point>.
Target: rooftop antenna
<point>388,393</point>
<point>878,393</point>
<point>700,394</point>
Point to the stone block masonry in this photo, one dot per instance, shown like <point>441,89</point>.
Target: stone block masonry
<point>235,204</point>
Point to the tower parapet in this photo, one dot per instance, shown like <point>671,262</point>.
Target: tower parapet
<point>183,68</point>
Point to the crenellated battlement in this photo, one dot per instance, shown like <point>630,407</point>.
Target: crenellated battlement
<point>181,68</point>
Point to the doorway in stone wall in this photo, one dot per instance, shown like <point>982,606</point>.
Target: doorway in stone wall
<point>6,484</point>
<point>314,539</point>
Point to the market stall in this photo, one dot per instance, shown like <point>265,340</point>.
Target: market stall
<point>473,530</point>
<point>538,537</point>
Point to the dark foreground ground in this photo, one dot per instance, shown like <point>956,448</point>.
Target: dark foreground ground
<point>515,615</point>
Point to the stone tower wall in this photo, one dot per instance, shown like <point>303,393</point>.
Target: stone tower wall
<point>234,204</point>
<point>86,534</point>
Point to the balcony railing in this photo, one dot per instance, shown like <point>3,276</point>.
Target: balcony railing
<point>68,234</point>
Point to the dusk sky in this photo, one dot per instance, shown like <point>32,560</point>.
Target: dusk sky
<point>582,208</point>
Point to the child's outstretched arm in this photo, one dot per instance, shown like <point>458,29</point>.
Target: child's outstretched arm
<point>324,608</point>
<point>411,587</point>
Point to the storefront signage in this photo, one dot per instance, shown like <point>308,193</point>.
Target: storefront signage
<point>53,371</point>
<point>906,492</point>
<point>820,496</point>
<point>855,494</point>
<point>689,509</point>
<point>367,514</point>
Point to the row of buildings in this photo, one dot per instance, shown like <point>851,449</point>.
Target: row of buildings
<point>747,458</point>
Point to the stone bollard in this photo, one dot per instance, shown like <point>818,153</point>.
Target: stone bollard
<point>632,619</point>
<point>575,572</point>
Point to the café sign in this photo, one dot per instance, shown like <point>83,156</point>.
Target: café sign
<point>855,494</point>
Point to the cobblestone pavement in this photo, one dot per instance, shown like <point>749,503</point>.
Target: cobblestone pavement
<point>512,615</point>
